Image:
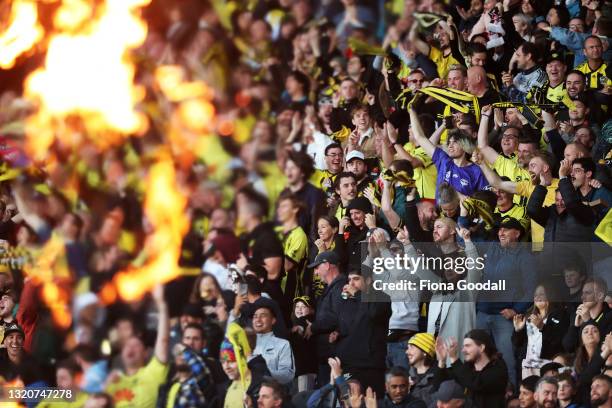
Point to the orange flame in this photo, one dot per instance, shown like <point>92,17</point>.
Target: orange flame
<point>192,115</point>
<point>87,74</point>
<point>22,33</point>
<point>51,271</point>
<point>165,209</point>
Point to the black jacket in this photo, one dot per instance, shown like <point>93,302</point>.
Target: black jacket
<point>552,334</point>
<point>603,323</point>
<point>326,317</point>
<point>486,388</point>
<point>354,238</point>
<point>363,333</point>
<point>408,402</point>
<point>575,224</point>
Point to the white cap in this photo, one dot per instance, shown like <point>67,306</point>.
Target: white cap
<point>354,154</point>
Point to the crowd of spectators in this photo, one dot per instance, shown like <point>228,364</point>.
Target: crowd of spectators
<point>455,130</point>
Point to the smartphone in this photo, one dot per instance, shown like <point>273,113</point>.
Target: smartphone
<point>242,289</point>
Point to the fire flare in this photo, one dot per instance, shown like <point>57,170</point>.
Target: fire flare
<point>22,33</point>
<point>88,75</point>
<point>165,209</point>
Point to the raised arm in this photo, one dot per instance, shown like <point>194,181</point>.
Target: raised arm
<point>490,155</point>
<point>437,134</point>
<point>163,325</point>
<point>492,177</point>
<point>392,218</point>
<point>419,135</point>
<point>413,37</point>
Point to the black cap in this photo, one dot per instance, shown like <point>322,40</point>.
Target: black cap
<point>556,56</point>
<point>550,366</point>
<point>323,257</point>
<point>360,203</point>
<point>13,328</point>
<point>448,391</point>
<point>512,223</point>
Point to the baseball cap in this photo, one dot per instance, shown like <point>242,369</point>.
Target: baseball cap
<point>512,223</point>
<point>448,391</point>
<point>555,56</point>
<point>355,154</point>
<point>13,328</point>
<point>323,257</point>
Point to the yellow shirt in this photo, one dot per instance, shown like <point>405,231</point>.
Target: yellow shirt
<point>78,401</point>
<point>509,167</point>
<point>295,243</point>
<point>525,188</point>
<point>234,397</point>
<point>595,79</point>
<point>139,390</point>
<point>323,179</point>
<point>442,62</point>
<point>424,177</point>
<point>519,213</point>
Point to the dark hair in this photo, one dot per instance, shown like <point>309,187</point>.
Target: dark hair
<point>397,371</point>
<point>474,48</point>
<point>530,382</point>
<point>523,139</point>
<point>591,37</point>
<point>108,403</point>
<point>481,337</point>
<point>563,14</point>
<point>576,72</point>
<point>295,201</point>
<point>603,377</point>
<point>197,327</point>
<point>582,356</point>
<point>565,376</point>
<point>550,295</point>
<point>70,365</point>
<point>256,199</point>
<point>254,286</point>
<point>332,146</point>
<point>303,161</point>
<point>86,352</point>
<point>278,391</point>
<point>403,165</point>
<point>302,78</point>
<point>333,221</point>
<point>195,292</point>
<point>359,107</point>
<point>587,164</point>
<point>531,49</point>
<point>344,174</point>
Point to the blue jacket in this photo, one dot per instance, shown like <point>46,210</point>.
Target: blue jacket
<point>518,267</point>
<point>574,42</point>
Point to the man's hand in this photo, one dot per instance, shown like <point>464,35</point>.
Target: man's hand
<point>477,157</point>
<point>336,367</point>
<point>566,128</point>
<point>370,221</point>
<point>370,398</point>
<point>453,349</point>
<point>506,79</point>
<point>565,168</point>
<point>391,132</point>
<point>403,236</point>
<point>595,183</point>
<point>498,116</point>
<point>582,315</point>
<point>441,352</point>
<point>508,313</point>
<point>543,180</point>
<point>355,399</point>
<point>345,222</point>
<point>486,111</point>
<point>464,233</point>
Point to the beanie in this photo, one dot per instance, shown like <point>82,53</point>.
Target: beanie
<point>424,341</point>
